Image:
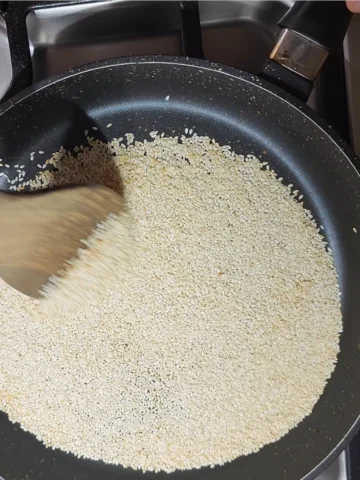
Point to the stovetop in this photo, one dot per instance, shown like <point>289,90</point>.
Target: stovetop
<point>237,33</point>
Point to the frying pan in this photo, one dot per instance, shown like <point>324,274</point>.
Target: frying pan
<point>143,94</point>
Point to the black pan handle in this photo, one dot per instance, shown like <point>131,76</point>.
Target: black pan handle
<point>310,30</point>
<point>324,23</point>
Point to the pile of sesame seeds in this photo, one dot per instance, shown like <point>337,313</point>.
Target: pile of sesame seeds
<point>83,280</point>
<point>219,339</point>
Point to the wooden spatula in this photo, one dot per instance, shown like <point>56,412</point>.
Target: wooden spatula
<point>40,231</point>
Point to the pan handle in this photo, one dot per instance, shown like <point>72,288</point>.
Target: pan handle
<point>310,31</point>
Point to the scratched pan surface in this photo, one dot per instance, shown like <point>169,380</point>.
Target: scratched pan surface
<point>139,95</point>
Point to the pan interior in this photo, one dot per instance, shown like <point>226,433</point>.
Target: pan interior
<point>234,109</point>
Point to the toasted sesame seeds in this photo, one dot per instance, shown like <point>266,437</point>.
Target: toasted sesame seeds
<point>197,353</point>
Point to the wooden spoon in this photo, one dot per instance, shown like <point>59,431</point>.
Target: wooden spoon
<point>40,231</point>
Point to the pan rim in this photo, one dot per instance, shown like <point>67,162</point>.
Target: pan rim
<point>238,75</point>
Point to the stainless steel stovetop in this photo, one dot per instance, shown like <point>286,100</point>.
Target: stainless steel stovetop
<point>237,33</point>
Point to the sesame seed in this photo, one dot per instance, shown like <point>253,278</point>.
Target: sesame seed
<point>109,125</point>
<point>183,318</point>
<point>354,230</point>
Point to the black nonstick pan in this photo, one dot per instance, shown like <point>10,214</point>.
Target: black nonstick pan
<point>140,95</point>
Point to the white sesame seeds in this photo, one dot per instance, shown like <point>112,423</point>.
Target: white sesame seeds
<point>129,138</point>
<point>7,165</point>
<point>167,97</point>
<point>109,125</point>
<point>197,354</point>
<point>41,152</point>
<point>94,128</point>
<point>354,230</point>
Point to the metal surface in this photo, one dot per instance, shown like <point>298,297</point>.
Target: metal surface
<point>253,117</point>
<point>63,37</point>
<point>336,471</point>
<point>240,34</point>
<point>298,54</point>
<point>5,62</point>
